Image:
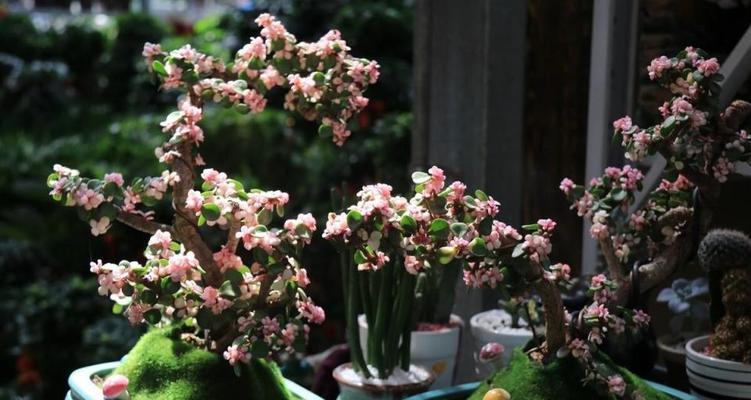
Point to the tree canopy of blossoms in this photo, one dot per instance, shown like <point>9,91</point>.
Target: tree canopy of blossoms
<point>246,298</point>
<point>390,246</point>
<point>701,144</point>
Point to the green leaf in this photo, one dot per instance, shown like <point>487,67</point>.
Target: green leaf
<point>459,229</point>
<point>147,296</point>
<point>227,290</point>
<point>408,223</point>
<point>201,220</point>
<point>280,210</point>
<point>117,308</point>
<point>153,316</point>
<point>169,286</point>
<point>234,276</point>
<point>211,211</point>
<point>360,257</point>
<point>477,246</point>
<point>319,77</point>
<point>264,216</point>
<point>354,219</point>
<point>325,131</point>
<point>419,177</point>
<point>486,226</point>
<point>531,227</point>
<point>439,228</point>
<point>446,254</point>
<point>205,318</point>
<point>158,67</point>
<point>481,195</point>
<point>618,194</point>
<point>51,178</point>
<point>148,201</point>
<point>518,250</point>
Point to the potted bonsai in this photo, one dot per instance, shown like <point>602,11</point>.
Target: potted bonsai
<point>719,366</point>
<point>215,308</point>
<point>400,261</point>
<point>686,301</point>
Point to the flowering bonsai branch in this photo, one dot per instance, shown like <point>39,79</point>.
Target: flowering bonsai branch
<point>701,145</point>
<point>243,304</point>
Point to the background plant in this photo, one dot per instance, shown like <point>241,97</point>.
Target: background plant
<point>686,300</point>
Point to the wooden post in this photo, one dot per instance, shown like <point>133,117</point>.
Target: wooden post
<point>469,98</point>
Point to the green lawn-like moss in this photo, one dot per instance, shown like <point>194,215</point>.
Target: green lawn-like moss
<point>162,367</point>
<point>559,380</point>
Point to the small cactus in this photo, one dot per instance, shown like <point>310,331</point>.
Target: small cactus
<point>726,255</point>
<point>724,249</point>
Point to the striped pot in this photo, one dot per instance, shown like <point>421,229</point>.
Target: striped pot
<point>713,378</point>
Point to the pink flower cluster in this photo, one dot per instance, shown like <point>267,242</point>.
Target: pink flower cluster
<point>323,82</point>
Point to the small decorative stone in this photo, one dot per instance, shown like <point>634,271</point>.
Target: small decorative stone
<point>115,387</point>
<point>497,394</point>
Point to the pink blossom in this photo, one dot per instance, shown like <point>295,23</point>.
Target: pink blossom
<point>272,29</point>
<point>180,264</point>
<point>641,318</point>
<point>236,353</point>
<point>457,191</point>
<point>99,227</point>
<point>598,281</point>
<point>681,107</point>
<point>484,276</point>
<point>336,225</point>
<point>226,259</point>
<point>311,312</point>
<point>194,201</point>
<point>623,124</point>
<point>657,66</point>
<point>616,385</point>
<point>114,177</point>
<point>491,352</point>
<point>255,101</point>
<point>253,238</point>
<point>306,220</point>
<point>537,247</point>
<point>436,182</point>
<point>412,264</point>
<point>598,231</point>
<point>161,241</point>
<point>301,277</point>
<point>213,301</point>
<point>708,67</point>
<point>87,198</point>
<point>547,225</point>
<point>566,185</point>
<point>150,50</point>
<point>597,311</point>
<point>114,386</point>
<point>271,77</point>
<point>135,312</point>
<point>305,86</point>
<point>579,349</point>
<point>255,48</point>
<point>213,176</point>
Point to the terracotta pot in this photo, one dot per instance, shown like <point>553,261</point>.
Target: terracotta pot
<point>674,355</point>
<point>715,378</point>
<point>351,390</point>
<point>434,350</point>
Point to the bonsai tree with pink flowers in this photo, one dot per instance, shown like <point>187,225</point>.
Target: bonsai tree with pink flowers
<point>243,299</point>
<point>701,144</point>
<point>390,245</point>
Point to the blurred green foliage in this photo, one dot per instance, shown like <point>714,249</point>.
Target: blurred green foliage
<point>78,95</point>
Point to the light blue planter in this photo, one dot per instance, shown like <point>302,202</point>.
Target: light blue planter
<point>82,388</point>
<point>463,391</point>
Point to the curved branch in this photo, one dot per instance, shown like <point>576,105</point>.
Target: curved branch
<point>142,224</point>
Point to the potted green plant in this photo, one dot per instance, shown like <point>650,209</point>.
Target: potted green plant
<point>719,365</point>
<point>221,286</point>
<point>401,257</point>
<point>686,301</point>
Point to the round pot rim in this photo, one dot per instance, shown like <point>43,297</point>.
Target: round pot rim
<point>718,362</point>
<point>456,323</point>
<point>506,330</point>
<point>663,343</point>
<point>406,388</point>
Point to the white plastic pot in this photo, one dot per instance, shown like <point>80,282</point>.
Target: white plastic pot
<point>435,350</point>
<point>495,326</point>
<point>713,378</point>
<point>352,386</point>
